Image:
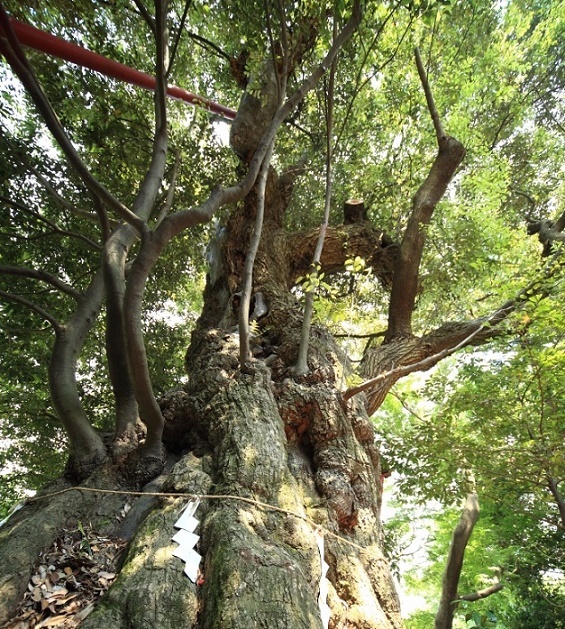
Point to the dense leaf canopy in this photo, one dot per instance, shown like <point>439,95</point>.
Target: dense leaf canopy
<point>497,73</point>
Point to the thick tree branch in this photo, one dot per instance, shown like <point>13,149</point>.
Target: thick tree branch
<point>450,581</point>
<point>44,276</point>
<point>414,351</point>
<point>548,232</point>
<point>396,359</point>
<point>153,243</point>
<point>129,301</point>
<point>406,274</point>
<point>341,243</point>
<point>184,219</point>
<point>559,224</point>
<point>55,324</point>
<point>86,449</point>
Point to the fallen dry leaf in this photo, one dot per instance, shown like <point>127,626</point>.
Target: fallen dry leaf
<point>67,581</point>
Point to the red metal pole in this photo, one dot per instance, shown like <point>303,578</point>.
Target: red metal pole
<point>45,42</point>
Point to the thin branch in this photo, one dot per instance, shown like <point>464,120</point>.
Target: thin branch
<point>144,202</point>
<point>184,219</point>
<point>440,133</point>
<point>273,49</point>
<point>34,307</point>
<point>146,16</point>
<point>173,55</point>
<point>44,276</point>
<point>106,225</point>
<point>338,43</point>
<point>301,366</point>
<point>372,335</point>
<point>430,361</point>
<point>284,40</point>
<point>247,274</point>
<point>91,216</point>
<point>56,229</point>
<point>531,201</point>
<point>360,85</point>
<point>284,31</point>
<point>278,75</point>
<point>206,43</point>
<point>408,408</point>
<point>479,595</point>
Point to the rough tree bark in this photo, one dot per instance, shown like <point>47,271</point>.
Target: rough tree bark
<point>263,436</point>
<point>290,443</point>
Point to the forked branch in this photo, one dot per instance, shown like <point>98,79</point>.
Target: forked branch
<point>406,275</point>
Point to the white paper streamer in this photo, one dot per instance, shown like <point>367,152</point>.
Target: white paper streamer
<point>187,539</point>
<point>16,508</point>
<point>325,612</point>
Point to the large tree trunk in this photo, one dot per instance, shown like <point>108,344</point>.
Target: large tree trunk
<point>250,440</point>
<point>277,459</point>
<point>265,437</point>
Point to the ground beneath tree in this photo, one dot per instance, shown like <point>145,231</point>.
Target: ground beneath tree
<point>68,579</point>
